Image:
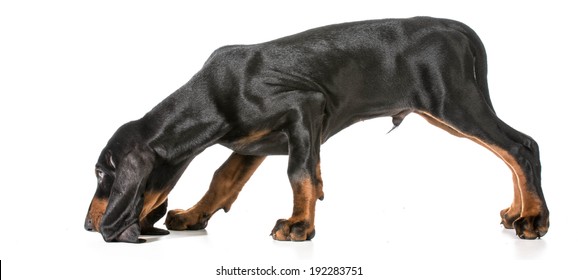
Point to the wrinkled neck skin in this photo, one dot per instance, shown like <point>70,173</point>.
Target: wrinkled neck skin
<point>186,122</point>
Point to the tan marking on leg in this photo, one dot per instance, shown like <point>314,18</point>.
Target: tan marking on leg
<point>227,183</point>
<point>304,201</point>
<point>97,208</point>
<point>528,202</point>
<point>152,200</point>
<point>510,214</point>
<point>301,225</point>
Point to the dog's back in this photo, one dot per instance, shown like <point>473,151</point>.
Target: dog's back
<point>364,69</point>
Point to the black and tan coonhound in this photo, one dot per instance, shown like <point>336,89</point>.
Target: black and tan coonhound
<point>287,97</point>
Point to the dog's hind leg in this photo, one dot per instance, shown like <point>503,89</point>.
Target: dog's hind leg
<point>227,182</point>
<point>474,119</point>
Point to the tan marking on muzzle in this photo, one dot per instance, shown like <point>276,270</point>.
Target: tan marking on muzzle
<point>97,208</point>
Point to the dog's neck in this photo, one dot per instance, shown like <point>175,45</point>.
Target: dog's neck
<point>188,113</point>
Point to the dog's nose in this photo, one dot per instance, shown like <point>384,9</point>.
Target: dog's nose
<point>88,224</point>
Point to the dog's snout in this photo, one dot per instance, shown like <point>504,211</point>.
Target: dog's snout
<point>95,213</point>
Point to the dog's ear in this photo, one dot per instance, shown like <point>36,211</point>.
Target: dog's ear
<point>120,221</point>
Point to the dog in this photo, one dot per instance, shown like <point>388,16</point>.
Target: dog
<point>287,97</point>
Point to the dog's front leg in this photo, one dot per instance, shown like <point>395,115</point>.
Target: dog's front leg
<point>227,182</point>
<point>304,174</point>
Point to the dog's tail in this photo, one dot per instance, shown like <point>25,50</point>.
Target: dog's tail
<point>480,63</point>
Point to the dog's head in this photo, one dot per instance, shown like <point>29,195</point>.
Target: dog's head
<point>118,201</point>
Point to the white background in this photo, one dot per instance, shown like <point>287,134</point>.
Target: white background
<point>417,202</point>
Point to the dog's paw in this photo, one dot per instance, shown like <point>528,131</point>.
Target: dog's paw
<point>532,227</point>
<point>287,230</point>
<point>186,220</point>
<point>526,226</point>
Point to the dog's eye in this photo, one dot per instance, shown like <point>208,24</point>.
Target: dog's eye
<point>99,174</point>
